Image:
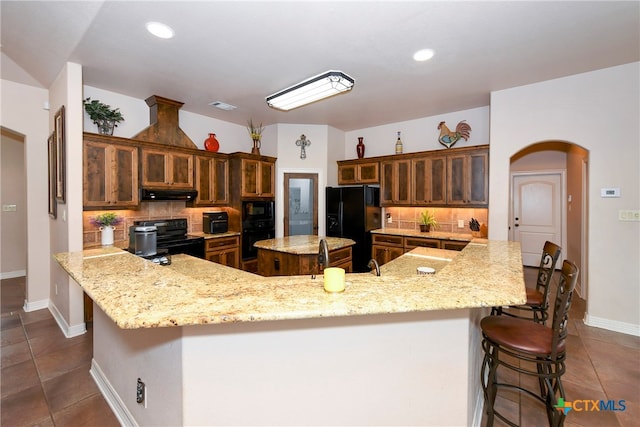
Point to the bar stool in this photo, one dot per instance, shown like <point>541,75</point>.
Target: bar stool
<point>538,298</point>
<point>525,344</point>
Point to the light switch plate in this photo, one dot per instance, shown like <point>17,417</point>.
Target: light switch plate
<point>629,215</point>
<point>609,192</point>
<point>461,223</point>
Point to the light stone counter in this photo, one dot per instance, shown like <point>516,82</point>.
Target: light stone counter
<point>136,293</point>
<point>208,236</point>
<point>442,235</point>
<point>302,245</point>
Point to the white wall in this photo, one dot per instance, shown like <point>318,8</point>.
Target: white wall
<point>67,304</point>
<point>13,225</point>
<point>419,134</point>
<point>599,111</point>
<point>23,112</point>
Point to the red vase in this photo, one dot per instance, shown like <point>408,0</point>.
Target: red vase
<point>211,143</point>
<point>360,147</point>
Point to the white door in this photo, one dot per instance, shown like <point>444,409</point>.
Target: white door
<point>537,213</point>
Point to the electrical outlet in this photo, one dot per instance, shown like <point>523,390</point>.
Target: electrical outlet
<point>9,208</point>
<point>389,219</point>
<point>141,391</point>
<point>461,223</point>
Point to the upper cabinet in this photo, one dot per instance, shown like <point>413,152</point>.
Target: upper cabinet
<point>468,178</point>
<point>254,175</point>
<point>163,168</point>
<point>358,172</point>
<point>454,177</point>
<point>212,180</point>
<point>396,182</point>
<point>428,176</point>
<point>110,173</point>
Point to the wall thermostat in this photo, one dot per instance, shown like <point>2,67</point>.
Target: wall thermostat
<point>609,192</point>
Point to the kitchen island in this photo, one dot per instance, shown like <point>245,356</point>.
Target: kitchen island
<point>298,255</point>
<point>218,346</point>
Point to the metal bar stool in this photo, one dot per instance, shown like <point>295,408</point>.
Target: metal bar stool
<point>525,344</point>
<point>538,298</point>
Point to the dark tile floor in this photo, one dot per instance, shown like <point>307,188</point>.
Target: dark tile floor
<point>45,377</point>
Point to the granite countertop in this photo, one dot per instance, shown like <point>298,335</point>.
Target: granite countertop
<point>136,293</point>
<point>442,235</point>
<point>302,245</point>
<point>208,236</point>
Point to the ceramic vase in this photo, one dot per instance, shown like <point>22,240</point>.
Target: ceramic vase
<point>360,147</point>
<point>107,235</point>
<point>256,147</point>
<point>211,143</point>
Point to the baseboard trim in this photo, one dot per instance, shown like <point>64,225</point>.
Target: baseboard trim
<point>612,325</point>
<point>30,306</point>
<point>68,330</point>
<point>13,274</point>
<point>111,396</point>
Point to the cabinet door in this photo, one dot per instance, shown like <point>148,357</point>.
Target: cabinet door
<point>155,168</point>
<point>467,179</point>
<point>415,242</point>
<point>454,245</point>
<point>396,183</point>
<point>347,174</point>
<point>428,180</point>
<point>110,175</point>
<point>367,173</point>
<point>181,170</point>
<point>384,254</point>
<point>211,179</point>
<point>267,179</point>
<point>124,181</point>
<point>162,169</point>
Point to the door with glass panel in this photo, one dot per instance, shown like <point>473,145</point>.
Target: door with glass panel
<point>301,204</point>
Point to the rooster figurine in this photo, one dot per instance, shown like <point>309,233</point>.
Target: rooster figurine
<point>448,138</point>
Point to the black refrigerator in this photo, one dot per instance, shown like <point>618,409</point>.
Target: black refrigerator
<point>352,212</point>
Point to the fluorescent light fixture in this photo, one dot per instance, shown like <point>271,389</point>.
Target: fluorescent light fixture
<point>319,87</point>
<point>159,29</point>
<point>423,55</point>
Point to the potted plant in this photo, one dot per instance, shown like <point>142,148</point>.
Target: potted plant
<point>428,221</point>
<point>103,116</point>
<point>106,222</point>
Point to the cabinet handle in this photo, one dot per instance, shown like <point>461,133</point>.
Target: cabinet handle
<point>276,264</point>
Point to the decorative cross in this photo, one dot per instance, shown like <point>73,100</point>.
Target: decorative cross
<point>302,143</point>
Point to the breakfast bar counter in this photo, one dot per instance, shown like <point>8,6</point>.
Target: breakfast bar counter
<point>219,346</point>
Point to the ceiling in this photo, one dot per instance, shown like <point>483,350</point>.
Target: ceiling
<point>239,52</point>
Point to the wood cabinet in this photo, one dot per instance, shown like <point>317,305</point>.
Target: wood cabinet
<point>211,180</point>
<point>428,179</point>
<point>395,188</point>
<point>386,247</point>
<point>164,168</point>
<point>453,245</point>
<point>276,263</point>
<point>110,173</point>
<point>468,178</point>
<point>253,176</point>
<point>421,242</point>
<point>358,172</point>
<point>223,250</point>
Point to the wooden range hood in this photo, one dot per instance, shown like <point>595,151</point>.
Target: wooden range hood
<point>164,128</point>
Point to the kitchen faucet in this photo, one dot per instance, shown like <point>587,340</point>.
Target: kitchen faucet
<point>374,263</point>
<point>323,254</point>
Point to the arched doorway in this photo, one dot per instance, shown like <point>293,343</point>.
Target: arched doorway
<point>542,164</point>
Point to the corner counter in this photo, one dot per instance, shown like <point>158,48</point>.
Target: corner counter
<point>219,346</point>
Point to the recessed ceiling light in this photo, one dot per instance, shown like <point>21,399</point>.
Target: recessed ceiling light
<point>423,55</point>
<point>159,29</point>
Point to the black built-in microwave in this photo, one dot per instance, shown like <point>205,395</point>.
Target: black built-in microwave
<point>257,210</point>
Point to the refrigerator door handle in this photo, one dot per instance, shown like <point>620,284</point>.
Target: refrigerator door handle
<point>341,217</point>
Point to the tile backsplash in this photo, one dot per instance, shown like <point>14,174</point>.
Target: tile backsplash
<point>148,210</point>
<point>408,218</point>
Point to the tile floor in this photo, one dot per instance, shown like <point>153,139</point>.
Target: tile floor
<point>45,377</point>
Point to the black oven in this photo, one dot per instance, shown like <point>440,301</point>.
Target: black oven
<point>251,236</point>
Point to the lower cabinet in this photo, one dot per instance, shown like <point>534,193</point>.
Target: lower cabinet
<point>223,250</point>
<point>276,263</point>
<point>387,247</point>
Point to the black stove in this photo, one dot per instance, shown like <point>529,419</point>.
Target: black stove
<point>172,238</point>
